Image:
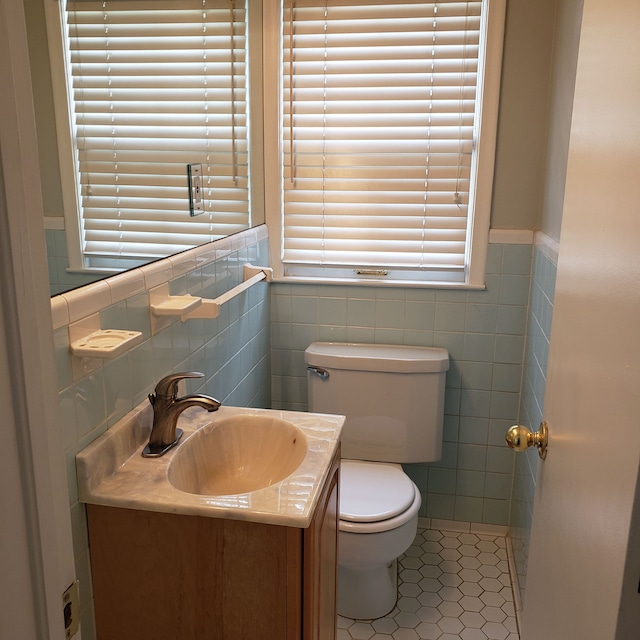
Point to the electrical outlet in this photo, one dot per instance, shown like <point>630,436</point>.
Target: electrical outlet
<point>194,176</point>
<point>71,610</point>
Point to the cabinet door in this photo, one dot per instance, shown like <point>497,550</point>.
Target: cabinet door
<point>160,576</point>
<point>320,563</point>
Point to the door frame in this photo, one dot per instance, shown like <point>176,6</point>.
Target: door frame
<point>36,464</point>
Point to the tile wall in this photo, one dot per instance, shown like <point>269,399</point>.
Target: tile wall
<point>58,260</point>
<point>484,332</point>
<point>233,352</point>
<point>532,403</point>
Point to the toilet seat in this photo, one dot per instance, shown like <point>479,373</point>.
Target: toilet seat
<point>375,497</point>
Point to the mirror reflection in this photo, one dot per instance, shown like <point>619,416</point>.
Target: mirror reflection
<point>143,129</point>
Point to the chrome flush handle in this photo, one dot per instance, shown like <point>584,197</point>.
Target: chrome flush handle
<point>319,371</point>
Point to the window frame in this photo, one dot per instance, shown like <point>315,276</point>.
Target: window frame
<point>490,65</point>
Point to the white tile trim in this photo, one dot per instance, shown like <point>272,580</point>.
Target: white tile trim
<point>511,236</point>
<point>489,529</point>
<point>451,525</point>
<point>515,587</point>
<point>92,298</point>
<point>459,526</point>
<point>547,245</point>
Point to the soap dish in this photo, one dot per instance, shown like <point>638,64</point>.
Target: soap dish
<point>106,343</point>
<point>176,305</point>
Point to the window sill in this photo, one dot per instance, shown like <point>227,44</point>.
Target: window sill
<point>371,282</point>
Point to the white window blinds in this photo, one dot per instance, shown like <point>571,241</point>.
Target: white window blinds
<point>379,103</point>
<point>157,85</point>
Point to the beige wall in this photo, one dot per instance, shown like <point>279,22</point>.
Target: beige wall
<point>565,57</point>
<point>522,126</point>
<point>522,130</point>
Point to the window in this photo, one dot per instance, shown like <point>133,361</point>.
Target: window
<point>154,86</point>
<point>388,115</point>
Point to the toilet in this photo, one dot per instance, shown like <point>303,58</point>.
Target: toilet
<point>393,400</point>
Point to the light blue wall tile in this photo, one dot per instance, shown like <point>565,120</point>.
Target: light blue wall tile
<point>450,316</point>
<point>479,346</point>
<point>470,483</point>
<point>332,334</point>
<point>388,336</point>
<point>452,342</point>
<point>361,334</point>
<point>477,375</point>
<point>496,511</point>
<point>389,314</point>
<point>418,338</point>
<point>504,405</point>
<point>420,295</point>
<point>473,430</point>
<point>302,335</point>
<point>498,485</point>
<point>514,289</point>
<point>68,421</point>
<point>138,314</point>
<point>452,401</point>
<point>472,457</point>
<point>332,311</point>
<point>442,480</point>
<point>117,386</point>
<point>468,509</point>
<point>450,428</point>
<point>516,259</point>
<point>418,473</point>
<point>304,309</point>
<point>361,313</point>
<point>509,349</point>
<point>90,403</point>
<point>531,408</point>
<point>475,402</point>
<point>494,258</point>
<point>481,318</point>
<point>512,320</point>
<point>440,506</point>
<point>419,315</point>
<point>507,377</point>
<point>500,459</point>
<point>62,358</point>
<point>449,459</point>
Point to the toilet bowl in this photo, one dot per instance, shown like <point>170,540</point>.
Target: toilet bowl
<point>393,400</point>
<point>379,507</point>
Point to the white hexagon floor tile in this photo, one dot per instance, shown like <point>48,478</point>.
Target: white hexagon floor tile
<point>452,586</point>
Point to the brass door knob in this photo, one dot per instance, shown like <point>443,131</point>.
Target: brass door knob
<point>520,438</point>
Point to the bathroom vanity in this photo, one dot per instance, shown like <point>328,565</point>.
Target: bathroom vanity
<point>177,565</point>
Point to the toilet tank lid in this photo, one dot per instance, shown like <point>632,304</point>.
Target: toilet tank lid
<point>377,357</point>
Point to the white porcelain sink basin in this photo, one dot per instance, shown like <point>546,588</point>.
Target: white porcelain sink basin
<point>237,454</point>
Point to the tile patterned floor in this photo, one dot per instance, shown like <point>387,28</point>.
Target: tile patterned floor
<point>452,586</point>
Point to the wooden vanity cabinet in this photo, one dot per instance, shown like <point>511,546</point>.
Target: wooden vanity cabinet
<point>160,576</point>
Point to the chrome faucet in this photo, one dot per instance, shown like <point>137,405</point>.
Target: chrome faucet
<point>167,407</point>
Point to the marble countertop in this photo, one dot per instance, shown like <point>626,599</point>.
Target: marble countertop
<point>112,472</point>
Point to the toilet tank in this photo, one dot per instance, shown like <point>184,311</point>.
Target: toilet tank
<point>392,397</point>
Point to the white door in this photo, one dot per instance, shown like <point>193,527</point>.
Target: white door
<point>585,530</point>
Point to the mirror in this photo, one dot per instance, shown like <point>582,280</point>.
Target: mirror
<point>56,200</point>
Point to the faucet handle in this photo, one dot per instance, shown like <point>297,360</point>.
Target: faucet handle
<point>168,386</point>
